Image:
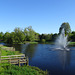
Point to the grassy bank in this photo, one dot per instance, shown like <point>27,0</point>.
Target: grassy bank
<point>5,51</point>
<point>23,70</point>
<point>30,42</point>
<point>25,42</point>
<point>7,69</point>
<point>72,43</point>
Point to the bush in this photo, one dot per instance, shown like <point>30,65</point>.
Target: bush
<point>43,40</point>
<point>23,70</point>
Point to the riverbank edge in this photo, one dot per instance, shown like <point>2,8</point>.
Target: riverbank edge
<point>33,68</point>
<point>26,42</point>
<point>72,44</point>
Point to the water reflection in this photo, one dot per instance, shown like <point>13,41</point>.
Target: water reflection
<point>64,58</point>
<point>27,49</point>
<point>17,47</point>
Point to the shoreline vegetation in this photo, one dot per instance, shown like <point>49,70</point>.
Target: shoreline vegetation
<point>7,69</point>
<point>28,35</point>
<point>72,44</point>
<point>27,42</point>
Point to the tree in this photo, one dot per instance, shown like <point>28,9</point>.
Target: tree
<point>66,27</point>
<point>42,36</point>
<point>43,40</point>
<point>29,33</point>
<point>12,36</point>
<point>72,36</point>
<point>48,37</point>
<point>54,36</point>
<point>51,35</point>
<point>6,36</point>
<point>36,36</point>
<point>1,36</point>
<point>19,35</point>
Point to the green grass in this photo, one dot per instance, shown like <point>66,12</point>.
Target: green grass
<point>33,42</point>
<point>23,70</point>
<point>8,52</point>
<point>26,42</point>
<point>5,52</point>
<point>72,43</point>
<point>49,42</point>
<point>30,42</point>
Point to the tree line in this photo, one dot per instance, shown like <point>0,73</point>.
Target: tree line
<point>28,34</point>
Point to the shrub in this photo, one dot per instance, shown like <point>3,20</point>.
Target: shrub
<point>23,70</point>
<point>43,40</point>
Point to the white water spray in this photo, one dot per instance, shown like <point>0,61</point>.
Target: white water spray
<point>61,41</point>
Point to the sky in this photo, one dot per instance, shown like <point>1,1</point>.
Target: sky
<point>45,16</point>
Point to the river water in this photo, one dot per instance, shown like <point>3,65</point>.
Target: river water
<point>57,62</point>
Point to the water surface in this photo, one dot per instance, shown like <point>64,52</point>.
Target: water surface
<point>57,62</point>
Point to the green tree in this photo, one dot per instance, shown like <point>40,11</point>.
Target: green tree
<point>1,36</point>
<point>51,35</point>
<point>72,36</point>
<point>42,36</point>
<point>66,27</point>
<point>19,35</point>
<point>12,36</point>
<point>6,37</point>
<point>26,33</point>
<point>30,33</point>
<point>36,36</point>
<point>43,40</point>
<point>48,37</point>
<point>54,36</point>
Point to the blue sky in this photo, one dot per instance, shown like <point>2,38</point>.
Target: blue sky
<point>45,16</point>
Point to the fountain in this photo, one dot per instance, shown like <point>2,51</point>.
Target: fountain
<point>61,41</point>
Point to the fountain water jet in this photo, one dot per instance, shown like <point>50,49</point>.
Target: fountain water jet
<point>61,41</point>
